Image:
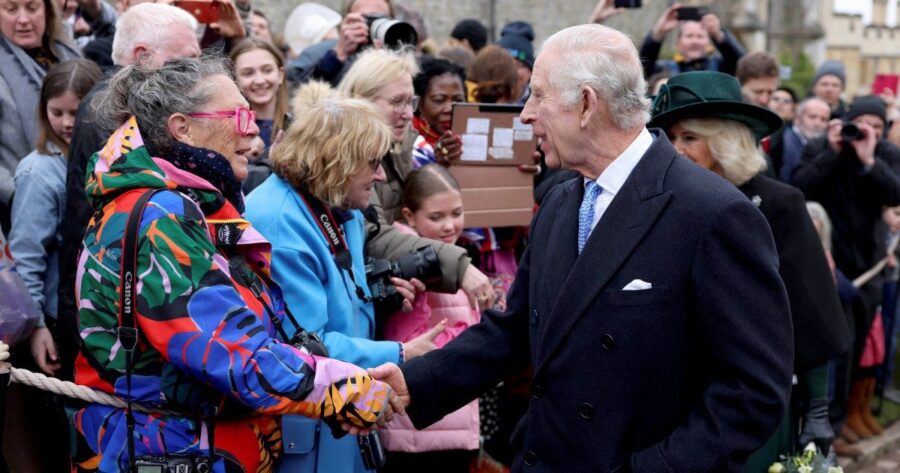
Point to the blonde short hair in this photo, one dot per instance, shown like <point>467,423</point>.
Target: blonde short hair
<point>732,145</point>
<point>374,69</point>
<point>820,219</point>
<point>330,140</point>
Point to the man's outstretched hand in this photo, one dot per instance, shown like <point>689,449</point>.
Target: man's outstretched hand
<point>391,374</point>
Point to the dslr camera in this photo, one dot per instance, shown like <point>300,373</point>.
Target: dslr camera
<point>392,33</point>
<point>422,264</point>
<point>851,132</point>
<point>172,464</point>
<point>371,451</point>
<point>309,342</point>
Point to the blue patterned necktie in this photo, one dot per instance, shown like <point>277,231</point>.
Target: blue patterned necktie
<point>586,212</point>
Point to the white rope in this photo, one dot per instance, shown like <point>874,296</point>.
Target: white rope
<point>66,388</point>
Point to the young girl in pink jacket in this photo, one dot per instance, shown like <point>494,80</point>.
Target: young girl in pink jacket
<point>432,208</point>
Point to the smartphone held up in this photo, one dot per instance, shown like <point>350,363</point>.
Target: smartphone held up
<point>205,11</point>
<point>691,13</point>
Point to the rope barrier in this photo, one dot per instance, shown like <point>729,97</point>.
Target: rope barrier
<point>69,389</point>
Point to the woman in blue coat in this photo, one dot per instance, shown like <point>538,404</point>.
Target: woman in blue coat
<point>309,209</point>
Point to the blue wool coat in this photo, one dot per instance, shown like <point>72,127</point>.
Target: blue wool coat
<point>323,299</point>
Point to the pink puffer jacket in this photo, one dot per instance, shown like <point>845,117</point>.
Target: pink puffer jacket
<point>459,430</point>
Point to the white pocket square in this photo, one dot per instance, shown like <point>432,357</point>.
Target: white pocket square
<point>637,285</point>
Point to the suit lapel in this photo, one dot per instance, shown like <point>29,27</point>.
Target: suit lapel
<point>629,217</point>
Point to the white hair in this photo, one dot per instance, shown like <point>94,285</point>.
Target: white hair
<point>809,100</point>
<point>147,24</point>
<point>606,61</point>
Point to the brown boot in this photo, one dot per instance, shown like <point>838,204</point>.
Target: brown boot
<point>855,407</point>
<point>867,417</point>
<point>848,435</point>
<point>844,449</point>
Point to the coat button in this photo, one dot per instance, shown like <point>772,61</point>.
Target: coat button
<point>534,317</point>
<point>586,411</point>
<point>537,391</point>
<point>607,342</point>
<point>530,458</point>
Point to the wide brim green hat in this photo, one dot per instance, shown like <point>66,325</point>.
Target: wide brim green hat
<point>708,94</point>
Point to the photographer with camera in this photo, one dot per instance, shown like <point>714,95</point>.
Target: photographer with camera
<point>366,23</point>
<point>853,172</point>
<point>325,171</point>
<point>385,78</point>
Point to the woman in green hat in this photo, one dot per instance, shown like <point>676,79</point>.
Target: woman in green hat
<point>705,118</point>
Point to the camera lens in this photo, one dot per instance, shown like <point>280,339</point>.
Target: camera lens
<point>392,33</point>
<point>851,132</point>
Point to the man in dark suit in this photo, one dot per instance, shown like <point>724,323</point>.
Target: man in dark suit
<point>648,302</point>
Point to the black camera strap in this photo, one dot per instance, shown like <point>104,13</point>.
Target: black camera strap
<point>334,235</point>
<point>127,331</point>
<point>238,267</point>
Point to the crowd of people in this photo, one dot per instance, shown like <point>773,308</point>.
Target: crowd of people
<point>195,209</point>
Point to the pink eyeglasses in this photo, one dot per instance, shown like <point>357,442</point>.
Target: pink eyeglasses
<point>243,117</point>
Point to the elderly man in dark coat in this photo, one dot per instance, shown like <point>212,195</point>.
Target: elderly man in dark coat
<point>649,300</point>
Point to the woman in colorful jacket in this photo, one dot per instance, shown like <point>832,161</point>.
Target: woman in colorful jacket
<point>325,170</point>
<point>205,307</point>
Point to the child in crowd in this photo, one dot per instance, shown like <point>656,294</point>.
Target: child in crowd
<point>34,241</point>
<point>432,208</point>
<point>38,203</point>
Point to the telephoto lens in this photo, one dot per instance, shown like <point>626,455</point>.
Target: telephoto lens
<point>392,33</point>
<point>851,132</point>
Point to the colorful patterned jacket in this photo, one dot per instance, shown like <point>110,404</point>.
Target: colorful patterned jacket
<point>205,340</point>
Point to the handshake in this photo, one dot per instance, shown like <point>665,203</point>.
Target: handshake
<point>398,399</point>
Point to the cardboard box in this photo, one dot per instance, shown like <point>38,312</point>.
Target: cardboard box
<point>495,192</point>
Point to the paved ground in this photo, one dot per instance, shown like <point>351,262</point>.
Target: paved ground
<point>880,454</point>
<point>888,462</point>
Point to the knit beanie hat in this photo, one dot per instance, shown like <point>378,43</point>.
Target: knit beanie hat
<point>472,30</point>
<point>833,68</point>
<point>867,105</point>
<point>516,38</point>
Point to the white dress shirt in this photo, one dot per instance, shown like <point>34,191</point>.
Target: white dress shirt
<point>614,176</point>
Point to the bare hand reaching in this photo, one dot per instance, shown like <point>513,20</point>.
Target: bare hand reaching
<point>423,343</point>
<point>604,10</point>
<point>478,287</point>
<point>666,23</point>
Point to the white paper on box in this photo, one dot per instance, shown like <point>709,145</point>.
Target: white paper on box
<point>503,138</point>
<point>478,126</point>
<point>500,153</point>
<point>474,147</point>
<point>523,135</point>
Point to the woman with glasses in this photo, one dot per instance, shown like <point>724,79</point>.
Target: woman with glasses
<point>310,209</point>
<point>385,78</point>
<point>177,307</point>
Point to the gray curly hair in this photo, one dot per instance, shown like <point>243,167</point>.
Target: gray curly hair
<point>152,95</point>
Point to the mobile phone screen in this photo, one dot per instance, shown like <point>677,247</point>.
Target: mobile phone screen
<point>885,81</point>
